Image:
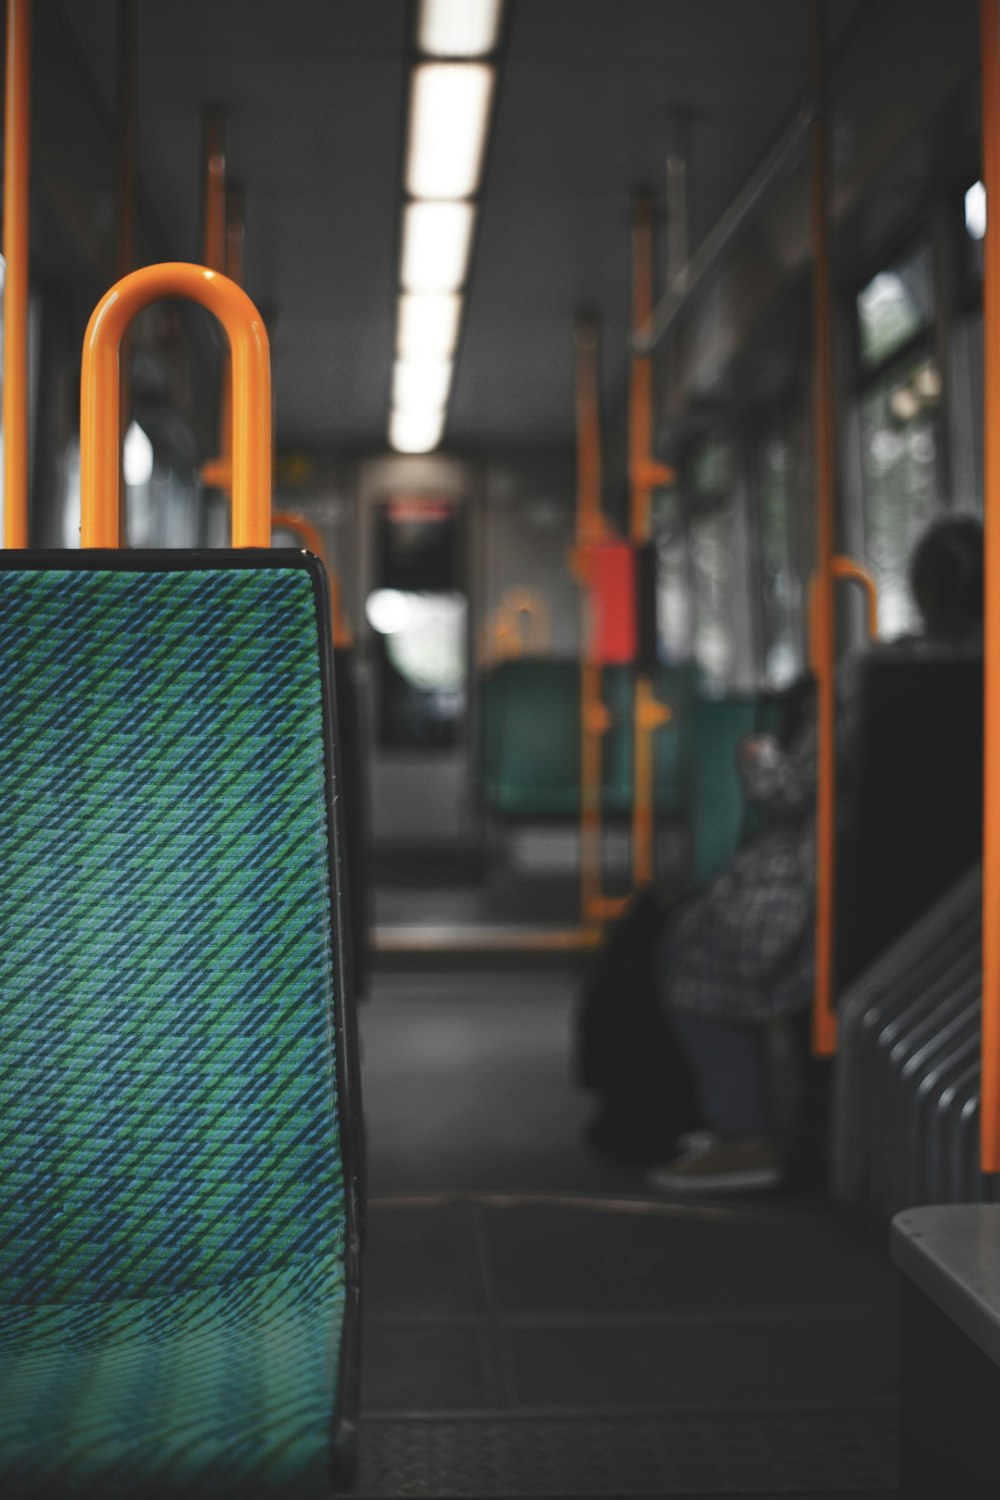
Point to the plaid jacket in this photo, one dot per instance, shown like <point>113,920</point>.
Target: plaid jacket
<point>742,949</point>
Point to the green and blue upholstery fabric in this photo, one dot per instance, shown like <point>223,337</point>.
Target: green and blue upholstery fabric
<point>173,1225</point>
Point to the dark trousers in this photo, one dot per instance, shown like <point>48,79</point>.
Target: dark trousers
<point>725,1059</point>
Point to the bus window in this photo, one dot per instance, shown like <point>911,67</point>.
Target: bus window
<point>898,410</point>
<point>779,504</point>
<point>894,307</point>
<point>900,479</point>
<point>673,577</point>
<point>711,486</point>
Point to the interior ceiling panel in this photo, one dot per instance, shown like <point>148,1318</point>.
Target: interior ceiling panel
<point>315,96</point>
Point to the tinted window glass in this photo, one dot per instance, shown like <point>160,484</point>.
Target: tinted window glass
<point>895,306</point>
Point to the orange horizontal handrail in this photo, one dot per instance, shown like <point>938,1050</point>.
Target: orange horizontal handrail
<point>100,435</point>
<point>310,537</point>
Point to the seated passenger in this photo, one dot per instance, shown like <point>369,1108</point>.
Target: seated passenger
<point>740,953</point>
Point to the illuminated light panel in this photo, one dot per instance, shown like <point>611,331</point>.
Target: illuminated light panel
<point>449,113</point>
<point>421,385</point>
<point>436,242</point>
<point>137,457</point>
<point>427,325</point>
<point>458,28</point>
<point>975,211</point>
<point>415,431</point>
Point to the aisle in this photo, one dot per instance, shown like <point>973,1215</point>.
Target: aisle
<point>536,1326</point>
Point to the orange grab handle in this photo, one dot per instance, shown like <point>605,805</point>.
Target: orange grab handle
<point>100,435</point>
<point>309,536</point>
<point>846,567</point>
<point>842,567</point>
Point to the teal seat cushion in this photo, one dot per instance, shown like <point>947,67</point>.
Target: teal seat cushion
<point>223,1391</point>
<point>173,1182</point>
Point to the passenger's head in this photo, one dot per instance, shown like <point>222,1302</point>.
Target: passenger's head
<point>946,576</point>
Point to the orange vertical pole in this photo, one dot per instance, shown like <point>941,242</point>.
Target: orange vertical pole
<point>990,1086</point>
<point>217,254</point>
<point>125,237</point>
<point>236,234</point>
<point>644,476</point>
<point>590,528</point>
<point>16,175</point>
<point>214,192</point>
<point>235,254</point>
<point>311,538</point>
<point>823,649</point>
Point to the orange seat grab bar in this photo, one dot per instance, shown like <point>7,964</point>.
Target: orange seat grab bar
<point>100,435</point>
<point>310,537</point>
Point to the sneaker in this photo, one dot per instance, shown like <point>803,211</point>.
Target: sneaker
<point>719,1164</point>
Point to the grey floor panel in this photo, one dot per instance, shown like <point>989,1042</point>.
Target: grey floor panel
<point>536,1324</point>
<point>679,1259</point>
<point>708,1365</point>
<point>425,1369</point>
<point>825,1454</point>
<point>422,1261</point>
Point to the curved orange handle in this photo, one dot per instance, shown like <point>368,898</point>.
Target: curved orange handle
<point>846,567</point>
<point>100,435</point>
<point>309,536</point>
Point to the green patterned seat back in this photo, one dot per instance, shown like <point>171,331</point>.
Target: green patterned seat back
<point>168,1103</point>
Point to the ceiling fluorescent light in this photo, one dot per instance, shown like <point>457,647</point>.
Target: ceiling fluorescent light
<point>427,325</point>
<point>420,385</point>
<point>436,240</point>
<point>449,113</point>
<point>975,211</point>
<point>458,28</point>
<point>415,431</point>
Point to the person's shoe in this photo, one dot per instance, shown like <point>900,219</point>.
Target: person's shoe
<point>719,1164</point>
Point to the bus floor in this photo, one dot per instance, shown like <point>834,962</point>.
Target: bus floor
<point>537,1324</point>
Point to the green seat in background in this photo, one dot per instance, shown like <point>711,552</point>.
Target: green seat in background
<point>179,1222</point>
<point>721,817</point>
<point>529,738</point>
